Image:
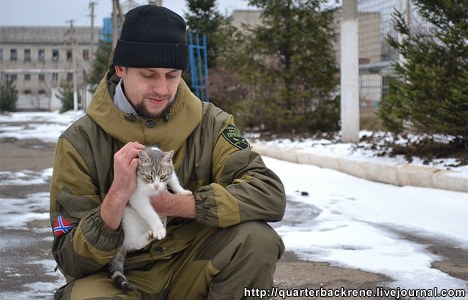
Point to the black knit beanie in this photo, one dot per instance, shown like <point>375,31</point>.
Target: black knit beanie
<point>152,37</point>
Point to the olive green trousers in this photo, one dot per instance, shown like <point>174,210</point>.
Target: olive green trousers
<point>221,264</point>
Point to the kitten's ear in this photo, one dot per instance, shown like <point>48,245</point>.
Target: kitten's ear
<point>168,156</point>
<point>143,156</point>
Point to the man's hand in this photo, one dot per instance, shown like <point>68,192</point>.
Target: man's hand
<point>174,205</point>
<point>123,186</point>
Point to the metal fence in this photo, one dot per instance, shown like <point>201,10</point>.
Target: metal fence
<point>375,53</point>
<point>376,25</point>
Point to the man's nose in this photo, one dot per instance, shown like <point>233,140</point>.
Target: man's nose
<point>160,86</point>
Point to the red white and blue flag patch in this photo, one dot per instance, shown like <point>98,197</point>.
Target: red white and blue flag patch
<point>63,226</point>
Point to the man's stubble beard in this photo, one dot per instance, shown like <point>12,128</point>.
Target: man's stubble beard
<point>143,112</point>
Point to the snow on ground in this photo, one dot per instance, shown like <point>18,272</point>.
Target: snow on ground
<point>362,224</point>
<point>25,177</point>
<point>44,126</point>
<point>344,220</point>
<point>16,213</point>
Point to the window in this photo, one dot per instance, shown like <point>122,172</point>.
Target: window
<point>41,92</point>
<point>13,54</point>
<point>27,92</point>
<point>27,76</point>
<point>55,55</point>
<point>69,76</point>
<point>1,54</point>
<point>69,54</point>
<point>41,77</point>
<point>55,76</point>
<point>85,54</point>
<point>14,76</point>
<point>40,55</point>
<point>27,54</point>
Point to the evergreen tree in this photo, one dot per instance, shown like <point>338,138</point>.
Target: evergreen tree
<point>430,92</point>
<point>289,64</point>
<point>8,94</point>
<point>226,89</point>
<point>65,94</point>
<point>203,18</point>
<point>100,63</point>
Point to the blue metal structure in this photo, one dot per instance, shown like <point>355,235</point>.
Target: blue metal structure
<point>199,67</point>
<point>106,32</point>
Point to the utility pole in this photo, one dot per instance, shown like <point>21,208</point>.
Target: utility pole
<point>75,94</point>
<point>121,14</point>
<point>349,72</point>
<point>114,23</point>
<point>84,99</point>
<point>91,57</point>
<point>116,11</point>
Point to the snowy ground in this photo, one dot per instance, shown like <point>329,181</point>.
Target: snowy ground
<point>344,220</point>
<point>361,224</point>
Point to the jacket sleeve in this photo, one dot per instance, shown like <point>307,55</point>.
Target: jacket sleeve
<point>242,189</point>
<point>87,245</point>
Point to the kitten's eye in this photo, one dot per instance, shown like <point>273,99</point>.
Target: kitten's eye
<point>163,176</point>
<point>149,177</point>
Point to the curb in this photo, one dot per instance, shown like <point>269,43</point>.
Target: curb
<point>395,174</point>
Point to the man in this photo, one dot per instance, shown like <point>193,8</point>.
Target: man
<point>218,243</point>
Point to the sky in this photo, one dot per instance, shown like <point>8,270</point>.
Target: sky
<point>341,219</point>
<point>59,12</point>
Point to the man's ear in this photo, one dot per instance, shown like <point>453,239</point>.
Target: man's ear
<point>120,71</point>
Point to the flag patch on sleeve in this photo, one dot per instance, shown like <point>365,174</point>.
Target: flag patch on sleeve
<point>63,226</point>
<point>234,136</point>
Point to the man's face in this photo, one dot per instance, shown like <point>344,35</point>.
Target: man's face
<point>149,90</point>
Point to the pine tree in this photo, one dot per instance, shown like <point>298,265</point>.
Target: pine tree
<point>100,63</point>
<point>289,64</point>
<point>204,19</point>
<point>8,94</point>
<point>65,94</point>
<point>430,92</point>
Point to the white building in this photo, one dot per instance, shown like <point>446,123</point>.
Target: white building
<point>40,59</point>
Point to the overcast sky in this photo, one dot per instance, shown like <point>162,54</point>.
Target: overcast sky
<point>59,12</point>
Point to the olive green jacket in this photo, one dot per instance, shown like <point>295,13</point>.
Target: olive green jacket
<point>230,182</point>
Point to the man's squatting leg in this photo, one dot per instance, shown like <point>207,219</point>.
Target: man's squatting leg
<point>219,266</point>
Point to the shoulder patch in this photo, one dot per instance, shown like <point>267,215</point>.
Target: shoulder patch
<point>234,137</point>
<point>63,226</point>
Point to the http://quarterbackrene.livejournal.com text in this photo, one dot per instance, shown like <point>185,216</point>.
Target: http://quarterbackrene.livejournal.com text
<point>396,293</point>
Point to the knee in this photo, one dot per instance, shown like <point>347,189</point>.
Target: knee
<point>262,241</point>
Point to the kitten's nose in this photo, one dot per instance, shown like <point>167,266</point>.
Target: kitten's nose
<point>156,187</point>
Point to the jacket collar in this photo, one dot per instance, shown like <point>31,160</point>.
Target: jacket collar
<point>121,101</point>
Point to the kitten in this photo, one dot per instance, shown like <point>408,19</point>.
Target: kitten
<point>140,222</point>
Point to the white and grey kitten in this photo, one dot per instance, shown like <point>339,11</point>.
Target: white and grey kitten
<point>140,222</point>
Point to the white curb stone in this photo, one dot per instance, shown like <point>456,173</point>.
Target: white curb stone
<point>398,174</point>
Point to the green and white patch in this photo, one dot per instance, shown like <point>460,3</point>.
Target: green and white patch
<point>234,136</point>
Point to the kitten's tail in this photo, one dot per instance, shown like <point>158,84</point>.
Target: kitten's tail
<point>116,271</point>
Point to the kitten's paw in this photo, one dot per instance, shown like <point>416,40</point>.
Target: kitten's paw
<point>184,192</point>
<point>158,234</point>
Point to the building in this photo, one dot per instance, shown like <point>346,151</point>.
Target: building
<point>41,59</point>
<point>249,18</point>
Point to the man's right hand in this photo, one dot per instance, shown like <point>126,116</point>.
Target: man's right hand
<point>123,186</point>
